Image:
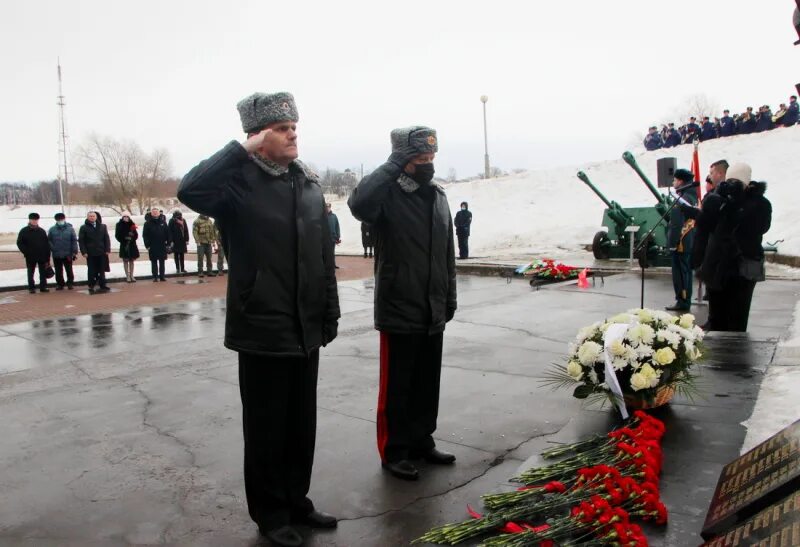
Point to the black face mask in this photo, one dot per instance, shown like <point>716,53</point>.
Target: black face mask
<point>423,173</point>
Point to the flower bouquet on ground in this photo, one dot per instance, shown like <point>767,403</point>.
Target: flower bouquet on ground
<point>649,353</point>
<point>549,270</point>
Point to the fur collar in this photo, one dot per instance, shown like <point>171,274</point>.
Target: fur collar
<point>409,185</point>
<point>273,169</point>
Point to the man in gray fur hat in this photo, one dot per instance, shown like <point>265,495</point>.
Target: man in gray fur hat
<point>415,295</point>
<point>282,303</point>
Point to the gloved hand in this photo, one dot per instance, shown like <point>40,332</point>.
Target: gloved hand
<point>402,156</point>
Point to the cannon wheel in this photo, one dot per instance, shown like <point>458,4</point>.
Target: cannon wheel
<point>600,245</point>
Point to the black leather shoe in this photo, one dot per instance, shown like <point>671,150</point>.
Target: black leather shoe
<point>403,469</point>
<point>676,307</point>
<point>44,289</point>
<point>285,536</point>
<point>316,519</point>
<point>437,457</point>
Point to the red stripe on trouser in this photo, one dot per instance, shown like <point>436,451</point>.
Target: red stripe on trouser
<point>383,429</point>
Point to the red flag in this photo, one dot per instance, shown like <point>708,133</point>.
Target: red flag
<point>696,169</point>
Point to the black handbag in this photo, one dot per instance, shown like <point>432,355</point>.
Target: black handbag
<point>49,272</point>
<point>752,270</point>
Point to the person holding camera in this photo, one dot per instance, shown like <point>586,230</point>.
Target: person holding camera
<point>740,215</point>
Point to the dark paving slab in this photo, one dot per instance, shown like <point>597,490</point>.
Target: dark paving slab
<point>124,427</point>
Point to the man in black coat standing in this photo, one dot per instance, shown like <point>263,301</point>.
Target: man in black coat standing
<point>463,221</point>
<point>282,303</point>
<point>415,295</point>
<point>680,238</point>
<point>32,242</point>
<point>95,246</point>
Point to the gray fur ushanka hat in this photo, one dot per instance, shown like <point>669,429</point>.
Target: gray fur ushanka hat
<point>420,138</point>
<point>261,109</point>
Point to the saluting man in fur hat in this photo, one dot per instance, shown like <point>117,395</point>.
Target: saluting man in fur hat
<point>282,303</point>
<point>415,295</point>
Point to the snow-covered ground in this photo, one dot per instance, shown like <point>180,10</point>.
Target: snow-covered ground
<point>551,211</point>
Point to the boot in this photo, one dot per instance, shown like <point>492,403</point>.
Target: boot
<point>127,272</point>
<point>130,270</point>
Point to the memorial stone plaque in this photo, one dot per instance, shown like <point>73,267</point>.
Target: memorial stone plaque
<point>775,526</point>
<point>755,480</point>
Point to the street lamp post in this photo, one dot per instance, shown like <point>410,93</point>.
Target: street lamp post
<point>487,172</point>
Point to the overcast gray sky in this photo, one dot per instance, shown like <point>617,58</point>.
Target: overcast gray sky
<point>567,81</point>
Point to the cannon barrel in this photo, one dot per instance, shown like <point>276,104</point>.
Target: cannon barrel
<point>585,178</point>
<point>630,160</point>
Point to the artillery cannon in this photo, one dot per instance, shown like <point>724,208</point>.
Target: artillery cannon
<point>615,242</point>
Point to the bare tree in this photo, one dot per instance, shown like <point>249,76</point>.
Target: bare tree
<point>697,105</point>
<point>452,176</point>
<point>127,174</point>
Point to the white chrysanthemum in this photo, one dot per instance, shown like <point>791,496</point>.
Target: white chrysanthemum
<point>621,318</point>
<point>685,334</point>
<point>641,334</point>
<point>575,370</point>
<point>645,316</point>
<point>619,363</point>
<point>643,352</point>
<point>663,316</point>
<point>617,348</point>
<point>589,352</point>
<point>699,333</point>
<point>671,338</point>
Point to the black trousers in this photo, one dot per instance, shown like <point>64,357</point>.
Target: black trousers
<point>157,267</point>
<point>729,308</point>
<point>97,270</point>
<point>179,264</point>
<point>279,416</point>
<point>408,398</point>
<point>60,265</point>
<point>463,246</point>
<point>32,265</point>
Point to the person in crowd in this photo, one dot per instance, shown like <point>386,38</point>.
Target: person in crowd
<point>708,131</point>
<point>333,228</point>
<point>220,250</point>
<point>415,295</point>
<point>680,236</point>
<point>673,136</point>
<point>462,222</point>
<point>204,236</point>
<point>282,303</point>
<point>777,118</point>
<point>367,239</point>
<point>653,140</point>
<point>32,242</point>
<point>663,133</point>
<point>727,127</point>
<point>64,247</point>
<point>792,112</point>
<point>734,258</point>
<point>126,233</point>
<point>156,236</point>
<point>179,237</point>
<point>747,122</point>
<point>692,131</point>
<point>763,119</point>
<point>95,246</point>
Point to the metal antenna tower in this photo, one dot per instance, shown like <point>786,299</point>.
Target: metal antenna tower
<point>63,144</point>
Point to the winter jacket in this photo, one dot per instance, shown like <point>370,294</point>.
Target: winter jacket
<point>94,240</point>
<point>652,141</point>
<point>179,234</point>
<point>705,218</point>
<point>33,243</point>
<point>333,227</point>
<point>462,222</point>
<point>691,132</point>
<point>63,240</point>
<point>708,132</point>
<point>673,138</point>
<point>156,236</point>
<point>127,233</point>
<point>367,235</point>
<point>203,231</point>
<point>415,274</point>
<point>748,124</point>
<point>764,121</point>
<point>282,295</point>
<point>741,220</point>
<point>792,115</point>
<point>677,218</point>
<point>727,127</point>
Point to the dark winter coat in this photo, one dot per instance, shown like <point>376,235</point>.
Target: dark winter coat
<point>127,233</point>
<point>792,114</point>
<point>367,235</point>
<point>179,234</point>
<point>156,236</point>
<point>94,240</point>
<point>652,141</point>
<point>677,218</point>
<point>764,122</point>
<point>63,240</point>
<point>462,222</point>
<point>673,138</point>
<point>705,218</point>
<point>691,132</point>
<point>742,218</point>
<point>282,295</point>
<point>33,243</point>
<point>415,274</point>
<point>748,124</point>
<point>708,132</point>
<point>727,127</point>
<point>333,227</point>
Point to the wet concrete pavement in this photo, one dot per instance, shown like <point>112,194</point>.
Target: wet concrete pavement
<point>125,427</point>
